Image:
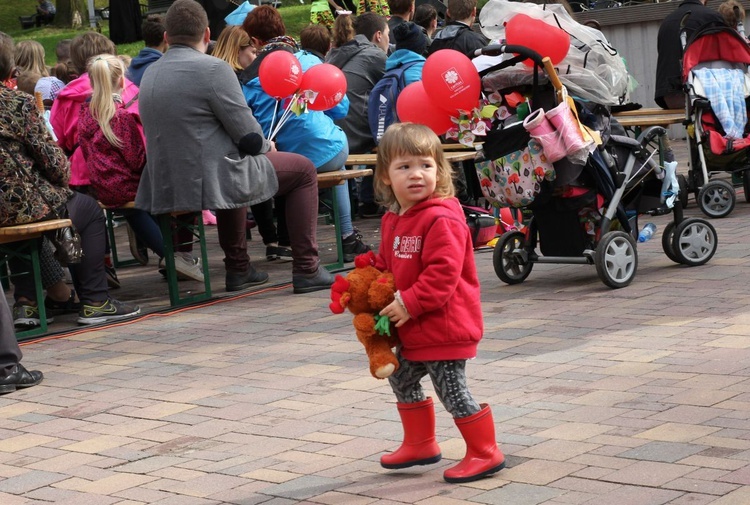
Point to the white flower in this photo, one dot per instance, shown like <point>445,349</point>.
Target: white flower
<point>294,69</point>
<point>451,76</point>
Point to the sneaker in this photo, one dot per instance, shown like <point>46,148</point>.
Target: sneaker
<point>240,281</point>
<point>280,253</point>
<point>188,267</point>
<point>20,378</point>
<point>110,310</point>
<point>109,270</point>
<point>307,283</point>
<point>26,316</point>
<point>69,306</point>
<point>370,210</point>
<point>353,247</point>
<point>137,248</point>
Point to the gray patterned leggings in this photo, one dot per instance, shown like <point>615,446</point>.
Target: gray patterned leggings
<point>448,379</point>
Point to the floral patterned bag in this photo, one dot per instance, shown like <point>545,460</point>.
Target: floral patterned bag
<point>515,168</point>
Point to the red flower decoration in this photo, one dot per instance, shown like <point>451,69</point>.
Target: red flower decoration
<point>514,179</point>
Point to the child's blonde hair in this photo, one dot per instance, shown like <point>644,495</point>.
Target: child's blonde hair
<point>29,56</point>
<point>106,74</point>
<point>228,45</point>
<point>415,140</point>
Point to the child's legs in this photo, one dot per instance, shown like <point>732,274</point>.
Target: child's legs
<point>343,204</point>
<point>405,381</point>
<point>449,381</point>
<point>146,228</point>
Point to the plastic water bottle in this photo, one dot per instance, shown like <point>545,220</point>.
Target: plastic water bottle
<point>647,232</point>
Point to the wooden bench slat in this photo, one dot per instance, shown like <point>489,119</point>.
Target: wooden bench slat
<point>370,159</point>
<point>330,179</point>
<point>30,230</point>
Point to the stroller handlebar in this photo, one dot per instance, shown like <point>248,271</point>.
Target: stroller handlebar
<point>498,49</point>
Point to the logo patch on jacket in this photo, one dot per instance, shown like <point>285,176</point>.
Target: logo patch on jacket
<point>406,247</point>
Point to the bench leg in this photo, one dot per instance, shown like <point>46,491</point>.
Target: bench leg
<point>29,251</point>
<point>175,298</point>
<point>337,230</point>
<point>113,244</point>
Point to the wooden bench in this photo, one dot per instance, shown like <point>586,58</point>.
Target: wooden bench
<point>370,159</point>
<point>23,241</point>
<point>166,222</point>
<point>642,118</point>
<point>329,180</point>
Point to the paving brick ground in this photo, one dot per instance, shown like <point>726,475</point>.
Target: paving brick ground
<point>638,396</point>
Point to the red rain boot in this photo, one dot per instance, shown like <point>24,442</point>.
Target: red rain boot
<point>419,446</point>
<point>483,457</point>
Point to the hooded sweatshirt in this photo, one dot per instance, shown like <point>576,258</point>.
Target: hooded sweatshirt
<point>403,57</point>
<point>140,63</point>
<point>363,64</point>
<point>429,252</point>
<point>64,119</point>
<point>459,36</point>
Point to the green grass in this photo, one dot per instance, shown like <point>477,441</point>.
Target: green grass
<point>296,17</point>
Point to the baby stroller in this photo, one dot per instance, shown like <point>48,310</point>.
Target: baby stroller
<point>588,212</point>
<point>714,71</point>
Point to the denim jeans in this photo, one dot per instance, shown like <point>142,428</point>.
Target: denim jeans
<point>146,228</point>
<point>343,205</point>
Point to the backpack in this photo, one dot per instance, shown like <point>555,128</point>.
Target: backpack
<point>381,105</point>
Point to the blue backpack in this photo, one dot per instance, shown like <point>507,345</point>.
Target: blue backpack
<point>381,106</point>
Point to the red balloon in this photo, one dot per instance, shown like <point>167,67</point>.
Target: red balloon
<point>328,81</point>
<point>453,81</point>
<point>545,39</point>
<point>415,106</point>
<point>280,74</point>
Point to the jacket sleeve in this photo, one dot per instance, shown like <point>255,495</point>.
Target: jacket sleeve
<point>49,159</point>
<point>341,109</point>
<point>229,106</point>
<point>133,149</point>
<point>64,121</point>
<point>443,252</point>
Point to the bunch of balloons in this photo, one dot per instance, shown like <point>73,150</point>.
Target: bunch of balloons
<point>320,88</point>
<point>453,84</point>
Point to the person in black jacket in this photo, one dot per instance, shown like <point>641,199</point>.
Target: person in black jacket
<point>668,90</point>
<point>458,34</point>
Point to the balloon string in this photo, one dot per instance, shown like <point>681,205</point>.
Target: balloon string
<point>273,118</point>
<point>284,117</point>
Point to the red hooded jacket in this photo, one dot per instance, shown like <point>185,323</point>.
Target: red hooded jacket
<point>430,254</point>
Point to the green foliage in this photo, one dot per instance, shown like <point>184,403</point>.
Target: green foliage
<point>296,17</point>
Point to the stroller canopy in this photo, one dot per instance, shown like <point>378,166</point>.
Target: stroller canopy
<point>714,43</point>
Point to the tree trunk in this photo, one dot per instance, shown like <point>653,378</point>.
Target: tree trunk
<point>64,16</point>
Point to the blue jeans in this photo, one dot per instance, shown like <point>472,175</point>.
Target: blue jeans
<point>146,228</point>
<point>343,205</point>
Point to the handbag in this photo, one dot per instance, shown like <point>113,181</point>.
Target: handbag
<point>66,240</point>
<point>515,169</point>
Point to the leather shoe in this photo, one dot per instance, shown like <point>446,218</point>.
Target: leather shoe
<point>240,281</point>
<point>307,283</point>
<point>20,378</point>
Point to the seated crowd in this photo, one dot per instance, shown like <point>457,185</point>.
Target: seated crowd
<point>176,129</point>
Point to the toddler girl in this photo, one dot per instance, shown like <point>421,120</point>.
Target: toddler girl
<point>427,246</point>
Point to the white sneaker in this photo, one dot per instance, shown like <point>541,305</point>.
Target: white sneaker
<point>188,267</point>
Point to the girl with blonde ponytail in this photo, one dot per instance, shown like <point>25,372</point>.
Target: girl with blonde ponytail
<point>112,141</point>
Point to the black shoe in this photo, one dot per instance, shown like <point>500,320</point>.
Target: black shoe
<point>307,283</point>
<point>238,282</point>
<point>109,269</point>
<point>20,378</point>
<point>370,210</point>
<point>353,247</point>
<point>69,306</point>
<point>280,253</point>
<point>137,248</point>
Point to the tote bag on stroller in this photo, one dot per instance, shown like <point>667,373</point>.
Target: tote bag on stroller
<point>515,169</point>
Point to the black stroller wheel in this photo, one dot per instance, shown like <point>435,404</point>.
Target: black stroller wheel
<point>746,184</point>
<point>694,241</point>
<point>616,259</point>
<point>510,268</point>
<point>666,243</point>
<point>717,198</point>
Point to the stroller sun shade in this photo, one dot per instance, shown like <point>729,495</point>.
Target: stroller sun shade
<point>714,43</point>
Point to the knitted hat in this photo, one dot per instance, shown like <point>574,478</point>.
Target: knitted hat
<point>410,36</point>
<point>49,87</point>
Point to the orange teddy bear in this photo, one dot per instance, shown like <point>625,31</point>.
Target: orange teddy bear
<point>365,292</point>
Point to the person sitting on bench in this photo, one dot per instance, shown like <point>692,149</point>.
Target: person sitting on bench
<point>45,12</point>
